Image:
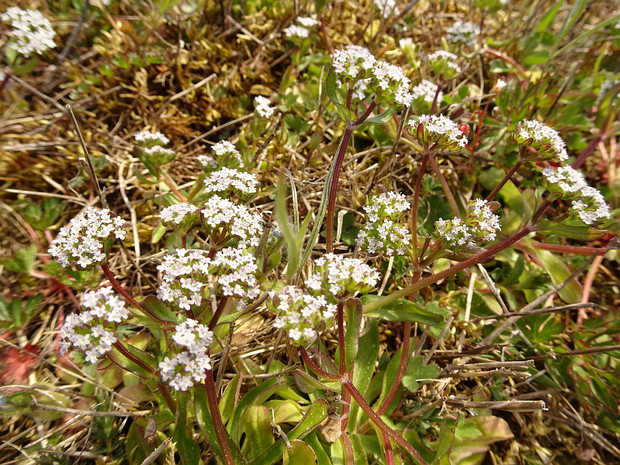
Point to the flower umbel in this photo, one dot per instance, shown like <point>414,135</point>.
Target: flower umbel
<point>184,276</point>
<point>383,231</point>
<point>188,366</point>
<point>440,130</point>
<point>32,32</point>
<point>300,313</point>
<point>228,179</point>
<point>93,331</point>
<point>235,220</point>
<point>463,32</point>
<point>180,216</point>
<point>541,137</point>
<point>85,239</point>
<point>262,106</point>
<point>338,276</point>
<point>481,225</point>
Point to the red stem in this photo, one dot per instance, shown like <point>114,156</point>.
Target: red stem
<point>445,187</point>
<point>333,189</point>
<point>220,430</point>
<point>512,171</point>
<point>416,202</point>
<point>123,350</point>
<point>376,419</point>
<point>389,453</point>
<point>402,368</point>
<point>218,312</point>
<point>117,286</point>
<point>172,187</point>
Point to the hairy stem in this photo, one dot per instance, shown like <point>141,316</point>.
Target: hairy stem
<point>512,171</point>
<point>220,430</point>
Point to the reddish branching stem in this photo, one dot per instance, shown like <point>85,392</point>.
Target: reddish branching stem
<point>220,430</point>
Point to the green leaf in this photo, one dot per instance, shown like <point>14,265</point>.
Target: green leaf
<point>126,364</point>
<point>257,429</point>
<point>308,384</point>
<point>580,232</point>
<point>559,272</point>
<point>315,415</point>
<point>549,16</point>
<point>229,318</point>
<point>289,236</point>
<point>23,261</point>
<point>416,370</point>
<point>332,93</point>
<point>227,402</point>
<point>300,453</point>
<point>536,57</point>
<point>186,447</point>
<point>354,311</point>
<point>313,441</point>
<point>383,118</point>
<point>401,310</point>
<point>260,393</point>
<point>364,365</point>
<point>159,309</point>
<point>389,377</point>
<point>158,233</point>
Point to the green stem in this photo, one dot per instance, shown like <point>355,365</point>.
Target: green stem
<point>220,430</point>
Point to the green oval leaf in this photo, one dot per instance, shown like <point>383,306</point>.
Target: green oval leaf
<point>401,310</point>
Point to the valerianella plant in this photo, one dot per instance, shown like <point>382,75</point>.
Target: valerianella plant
<point>588,204</point>
<point>184,275</point>
<point>32,32</point>
<point>300,314</point>
<point>546,140</point>
<point>93,331</point>
<point>227,180</point>
<point>339,276</point>
<point>223,151</point>
<point>151,149</point>
<point>480,226</point>
<point>86,239</point>
<point>190,360</point>
<point>423,95</point>
<point>439,130</point>
<point>444,64</point>
<point>180,217</point>
<point>224,219</point>
<point>383,231</point>
<point>463,32</point>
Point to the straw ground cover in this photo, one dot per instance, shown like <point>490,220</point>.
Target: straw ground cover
<point>293,232</point>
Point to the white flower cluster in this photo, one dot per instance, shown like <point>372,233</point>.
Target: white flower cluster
<point>226,179</point>
<point>587,203</point>
<point>262,106</point>
<point>236,270</point>
<point>149,139</point>
<point>383,231</point>
<point>207,162</point>
<point>84,239</point>
<point>237,220</point>
<point>358,65</point>
<point>188,366</point>
<point>438,129</point>
<point>226,149</point>
<point>425,91</point>
<point>299,313</point>
<point>178,214</point>
<point>464,32</point>
<point>184,276</point>
<point>339,276</point>
<point>302,30</point>
<point>541,137</point>
<point>481,225</point>
<point>93,331</point>
<point>500,84</point>
<point>32,32</point>
<point>444,63</point>
<point>386,7</point>
<point>295,31</point>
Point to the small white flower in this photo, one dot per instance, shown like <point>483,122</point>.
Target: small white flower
<point>438,129</point>
<point>82,240</point>
<point>386,7</point>
<point>444,63</point>
<point>352,62</point>
<point>341,276</point>
<point>295,31</point>
<point>464,32</point>
<point>32,32</point>
<point>224,149</point>
<point>262,106</point>
<point>175,214</point>
<point>226,179</point>
<point>383,231</point>
<point>307,21</point>
<point>237,220</point>
<point>149,139</point>
<point>500,84</point>
<point>426,91</point>
<point>542,137</point>
<point>236,272</point>
<point>481,225</point>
